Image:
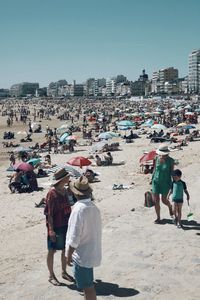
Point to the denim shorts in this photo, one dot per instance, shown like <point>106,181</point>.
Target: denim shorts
<point>59,244</point>
<point>84,276</point>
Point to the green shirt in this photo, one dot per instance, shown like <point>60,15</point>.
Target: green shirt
<point>178,187</point>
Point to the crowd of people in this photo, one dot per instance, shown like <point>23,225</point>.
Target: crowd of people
<point>73,220</point>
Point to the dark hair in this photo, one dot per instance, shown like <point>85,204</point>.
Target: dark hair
<point>177,172</point>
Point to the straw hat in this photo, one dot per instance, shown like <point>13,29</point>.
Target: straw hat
<point>80,187</point>
<point>162,150</point>
<point>59,175</point>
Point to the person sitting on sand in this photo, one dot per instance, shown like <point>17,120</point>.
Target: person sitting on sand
<point>108,158</point>
<point>90,175</point>
<point>16,181</point>
<point>98,160</point>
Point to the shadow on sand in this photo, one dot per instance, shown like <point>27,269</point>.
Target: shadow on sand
<point>186,225</point>
<point>108,289</point>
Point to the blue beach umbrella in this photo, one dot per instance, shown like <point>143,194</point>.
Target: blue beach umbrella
<point>189,126</point>
<point>34,161</point>
<point>64,136</point>
<point>105,136</point>
<point>158,126</point>
<point>125,123</point>
<point>22,149</point>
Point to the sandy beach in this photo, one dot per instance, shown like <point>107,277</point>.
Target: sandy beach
<point>141,260</point>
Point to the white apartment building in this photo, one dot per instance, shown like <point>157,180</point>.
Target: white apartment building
<point>194,72</point>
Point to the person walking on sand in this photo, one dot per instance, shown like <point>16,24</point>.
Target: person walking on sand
<point>162,179</point>
<point>83,243</point>
<point>177,189</point>
<point>57,211</point>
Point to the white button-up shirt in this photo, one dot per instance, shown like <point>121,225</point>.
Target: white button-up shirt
<point>84,233</point>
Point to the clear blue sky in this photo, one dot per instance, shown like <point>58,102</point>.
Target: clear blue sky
<point>48,40</point>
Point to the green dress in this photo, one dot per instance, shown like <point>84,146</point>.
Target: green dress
<point>161,179</point>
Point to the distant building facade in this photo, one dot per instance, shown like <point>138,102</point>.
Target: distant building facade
<point>165,81</point>
<point>24,89</point>
<point>194,72</point>
<point>4,93</point>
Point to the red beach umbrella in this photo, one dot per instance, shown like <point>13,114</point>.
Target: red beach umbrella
<point>23,166</point>
<point>148,156</point>
<point>79,161</point>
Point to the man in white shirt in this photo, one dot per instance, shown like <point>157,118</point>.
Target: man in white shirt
<point>83,241</point>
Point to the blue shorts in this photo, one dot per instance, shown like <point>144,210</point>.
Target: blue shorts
<point>177,200</point>
<point>59,244</point>
<point>84,276</point>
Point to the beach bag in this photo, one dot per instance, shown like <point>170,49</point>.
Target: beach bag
<point>148,199</point>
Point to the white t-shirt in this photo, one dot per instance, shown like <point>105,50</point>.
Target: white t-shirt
<point>84,233</point>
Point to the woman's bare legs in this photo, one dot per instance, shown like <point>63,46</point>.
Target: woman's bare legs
<point>156,199</point>
<point>167,202</point>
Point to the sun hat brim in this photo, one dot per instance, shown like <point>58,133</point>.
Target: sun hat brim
<point>55,182</point>
<point>159,152</point>
<point>78,192</point>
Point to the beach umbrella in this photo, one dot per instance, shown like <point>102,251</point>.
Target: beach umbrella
<point>71,137</point>
<point>34,161</point>
<point>189,126</point>
<point>189,113</point>
<point>99,146</point>
<point>113,134</point>
<point>34,125</point>
<point>158,127</point>
<point>22,149</point>
<point>188,106</point>
<point>64,126</point>
<point>148,123</point>
<point>22,132</point>
<point>23,166</point>
<point>105,136</point>
<point>182,124</point>
<point>64,136</point>
<point>125,123</point>
<point>79,161</point>
<point>148,156</point>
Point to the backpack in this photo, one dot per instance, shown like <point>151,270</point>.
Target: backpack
<point>148,199</point>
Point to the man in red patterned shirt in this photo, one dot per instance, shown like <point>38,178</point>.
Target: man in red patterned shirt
<point>57,213</point>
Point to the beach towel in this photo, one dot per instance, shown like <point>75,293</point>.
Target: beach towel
<point>72,171</point>
<point>148,199</point>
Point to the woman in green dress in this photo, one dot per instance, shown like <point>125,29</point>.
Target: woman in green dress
<point>161,179</point>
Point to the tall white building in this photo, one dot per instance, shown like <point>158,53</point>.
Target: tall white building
<point>194,72</point>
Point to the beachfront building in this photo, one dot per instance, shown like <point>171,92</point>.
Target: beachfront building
<point>138,87</point>
<point>167,75</point>
<point>55,89</point>
<point>183,85</point>
<point>164,81</point>
<point>123,89</point>
<point>120,79</point>
<point>4,93</point>
<point>90,87</point>
<point>194,72</point>
<point>76,90</point>
<point>24,89</point>
<point>110,87</point>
